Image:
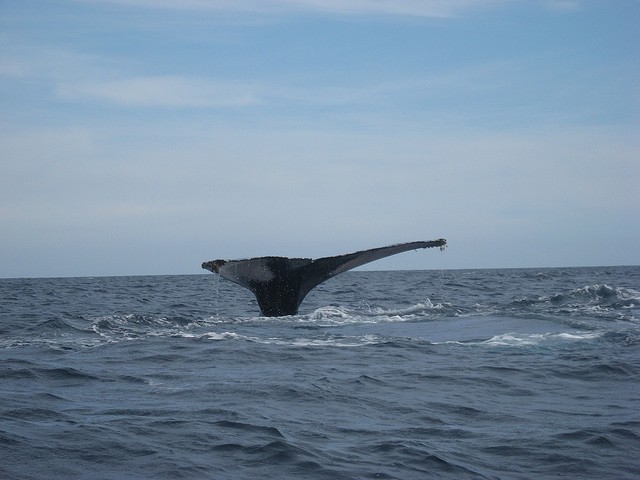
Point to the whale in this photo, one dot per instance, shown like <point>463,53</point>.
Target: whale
<point>280,284</point>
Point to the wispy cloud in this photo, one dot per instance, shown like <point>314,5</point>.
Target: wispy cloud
<point>562,5</point>
<point>78,78</point>
<point>162,91</point>
<point>54,64</point>
<point>417,8</point>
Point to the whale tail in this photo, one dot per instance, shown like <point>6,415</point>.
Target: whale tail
<point>280,284</point>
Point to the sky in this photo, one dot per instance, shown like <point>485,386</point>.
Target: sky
<point>143,137</point>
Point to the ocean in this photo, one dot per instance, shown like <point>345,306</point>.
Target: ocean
<point>453,374</point>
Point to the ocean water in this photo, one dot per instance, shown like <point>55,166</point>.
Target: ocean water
<point>497,374</point>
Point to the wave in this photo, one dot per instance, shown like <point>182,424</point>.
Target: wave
<point>331,316</point>
<point>132,327</point>
<point>330,326</point>
<point>597,301</point>
<point>292,341</point>
<point>537,339</point>
<point>573,311</point>
<point>466,334</point>
<point>599,296</point>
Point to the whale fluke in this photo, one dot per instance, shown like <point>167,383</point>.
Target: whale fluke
<point>281,283</point>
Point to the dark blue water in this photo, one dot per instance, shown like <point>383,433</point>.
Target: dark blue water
<point>418,374</point>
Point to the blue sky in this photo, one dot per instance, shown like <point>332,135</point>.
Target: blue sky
<point>144,137</point>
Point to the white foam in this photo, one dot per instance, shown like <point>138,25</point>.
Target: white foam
<point>516,339</point>
<point>338,316</point>
<point>217,336</point>
<point>328,341</point>
<point>355,341</point>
